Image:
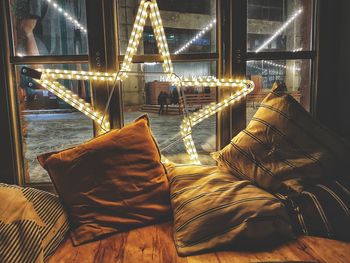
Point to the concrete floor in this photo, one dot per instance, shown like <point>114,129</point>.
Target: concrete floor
<point>54,132</point>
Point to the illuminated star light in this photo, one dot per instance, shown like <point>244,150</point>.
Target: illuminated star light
<point>240,88</point>
<point>74,100</point>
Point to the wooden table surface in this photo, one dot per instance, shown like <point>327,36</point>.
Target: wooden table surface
<point>155,244</point>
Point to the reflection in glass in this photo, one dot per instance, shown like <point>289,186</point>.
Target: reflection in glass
<point>189,26</point>
<point>294,73</point>
<point>279,25</point>
<point>48,27</point>
<point>149,91</point>
<point>48,123</point>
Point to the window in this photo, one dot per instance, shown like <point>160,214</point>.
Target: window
<point>48,123</point>
<point>176,39</point>
<point>266,10</point>
<point>279,25</point>
<point>187,6</point>
<point>141,94</point>
<point>56,30</point>
<point>42,27</point>
<point>296,74</point>
<point>190,27</point>
<point>55,34</point>
<point>280,50</point>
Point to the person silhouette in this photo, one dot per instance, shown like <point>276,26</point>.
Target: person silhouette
<point>162,98</point>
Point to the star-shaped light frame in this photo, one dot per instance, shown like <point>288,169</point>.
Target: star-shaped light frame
<point>148,8</point>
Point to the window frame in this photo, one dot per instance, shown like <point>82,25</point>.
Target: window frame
<point>99,92</point>
<point>231,57</point>
<point>298,55</point>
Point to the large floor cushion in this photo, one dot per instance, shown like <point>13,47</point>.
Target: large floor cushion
<point>112,183</point>
<point>212,209</point>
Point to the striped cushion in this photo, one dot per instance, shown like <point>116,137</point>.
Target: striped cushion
<point>212,209</point>
<point>322,210</point>
<point>32,224</point>
<point>284,146</point>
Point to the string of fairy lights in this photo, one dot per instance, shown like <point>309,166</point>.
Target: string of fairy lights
<point>74,100</point>
<point>279,30</point>
<point>275,35</point>
<point>241,87</point>
<point>206,29</point>
<point>67,15</point>
<point>210,26</point>
<point>274,64</point>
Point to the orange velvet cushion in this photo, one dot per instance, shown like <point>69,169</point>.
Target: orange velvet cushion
<point>112,183</point>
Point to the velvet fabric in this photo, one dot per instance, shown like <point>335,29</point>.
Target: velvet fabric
<point>112,183</point>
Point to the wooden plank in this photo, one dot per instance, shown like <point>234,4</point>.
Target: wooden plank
<point>207,258</point>
<point>290,251</point>
<point>111,249</point>
<point>327,250</point>
<point>155,244</point>
<point>94,252</point>
<point>152,244</point>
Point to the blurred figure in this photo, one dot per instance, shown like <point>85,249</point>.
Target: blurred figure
<point>167,100</point>
<point>174,96</point>
<point>162,100</point>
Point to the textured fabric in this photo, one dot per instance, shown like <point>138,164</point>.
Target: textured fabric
<point>32,224</point>
<point>212,209</point>
<point>112,183</point>
<point>283,144</point>
<point>321,210</point>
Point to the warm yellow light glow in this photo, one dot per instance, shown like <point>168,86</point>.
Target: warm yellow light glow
<point>73,100</point>
<point>240,88</point>
<point>67,74</point>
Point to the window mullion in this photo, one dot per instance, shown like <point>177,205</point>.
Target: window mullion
<point>281,55</point>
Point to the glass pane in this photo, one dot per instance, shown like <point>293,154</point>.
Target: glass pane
<point>47,122</point>
<point>190,26</point>
<point>295,74</point>
<point>49,27</point>
<point>279,25</point>
<point>149,91</point>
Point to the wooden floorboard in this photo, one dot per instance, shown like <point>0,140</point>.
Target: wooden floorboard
<point>155,244</point>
